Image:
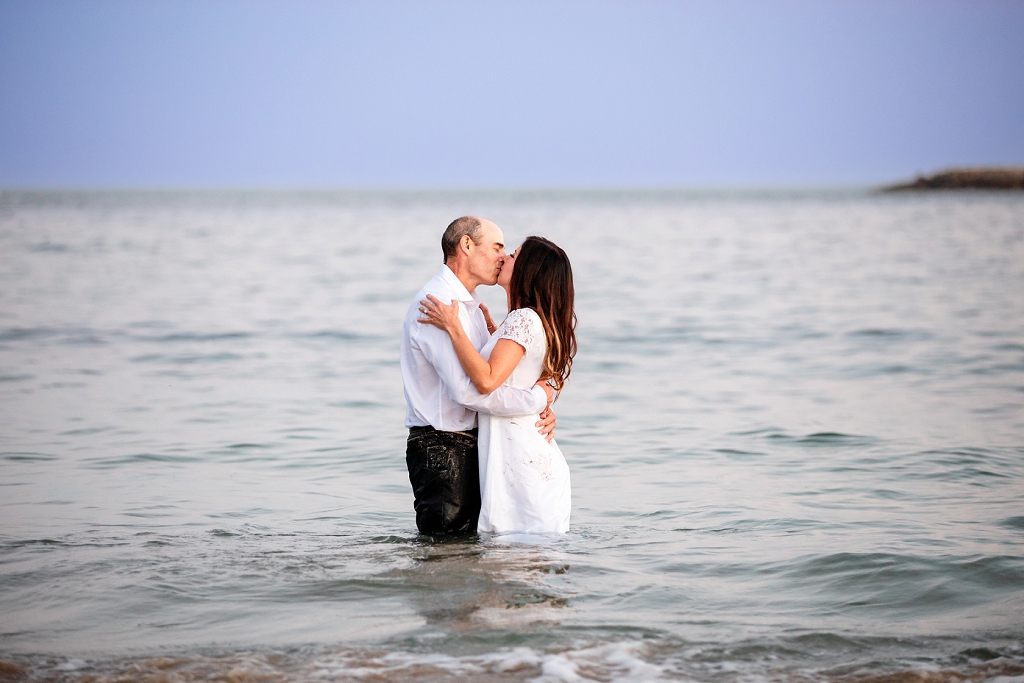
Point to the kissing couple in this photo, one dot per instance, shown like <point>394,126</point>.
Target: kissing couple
<point>481,452</point>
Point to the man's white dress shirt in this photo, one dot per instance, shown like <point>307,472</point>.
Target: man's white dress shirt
<point>438,392</point>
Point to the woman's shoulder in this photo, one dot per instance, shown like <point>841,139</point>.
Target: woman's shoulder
<point>522,325</point>
<point>524,314</point>
<point>526,317</point>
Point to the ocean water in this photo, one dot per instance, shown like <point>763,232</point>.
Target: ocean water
<point>795,428</point>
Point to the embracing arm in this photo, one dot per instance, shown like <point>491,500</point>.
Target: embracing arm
<point>504,401</point>
<point>486,375</point>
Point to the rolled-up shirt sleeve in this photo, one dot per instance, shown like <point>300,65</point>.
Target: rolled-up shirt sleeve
<point>505,401</point>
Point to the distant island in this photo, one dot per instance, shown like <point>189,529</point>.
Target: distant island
<point>966,179</point>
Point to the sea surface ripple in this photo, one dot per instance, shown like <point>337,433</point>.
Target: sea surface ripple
<point>795,429</point>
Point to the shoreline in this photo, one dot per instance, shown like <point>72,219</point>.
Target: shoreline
<point>1007,178</point>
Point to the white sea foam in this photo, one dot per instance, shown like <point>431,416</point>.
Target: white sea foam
<point>622,662</point>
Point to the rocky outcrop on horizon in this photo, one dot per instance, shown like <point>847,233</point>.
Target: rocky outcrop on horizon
<point>966,179</point>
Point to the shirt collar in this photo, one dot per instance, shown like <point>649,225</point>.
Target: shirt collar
<point>461,293</point>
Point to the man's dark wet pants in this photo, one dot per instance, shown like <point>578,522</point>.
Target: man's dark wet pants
<point>445,476</point>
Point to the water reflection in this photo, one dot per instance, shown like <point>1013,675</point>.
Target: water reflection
<point>470,584</point>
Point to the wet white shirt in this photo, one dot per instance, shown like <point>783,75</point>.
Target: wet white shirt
<point>438,392</point>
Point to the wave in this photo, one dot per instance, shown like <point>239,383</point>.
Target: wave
<point>808,657</point>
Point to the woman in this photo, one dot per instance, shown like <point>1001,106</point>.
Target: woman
<point>524,480</point>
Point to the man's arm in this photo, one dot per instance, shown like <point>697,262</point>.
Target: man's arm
<point>504,401</point>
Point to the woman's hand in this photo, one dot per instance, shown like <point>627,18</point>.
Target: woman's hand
<point>440,315</point>
<point>491,327</point>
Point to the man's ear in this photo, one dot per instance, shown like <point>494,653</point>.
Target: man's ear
<point>464,242</point>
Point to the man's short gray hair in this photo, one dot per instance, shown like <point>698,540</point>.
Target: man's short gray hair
<point>467,225</point>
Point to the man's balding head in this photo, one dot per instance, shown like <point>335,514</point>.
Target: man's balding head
<point>470,226</point>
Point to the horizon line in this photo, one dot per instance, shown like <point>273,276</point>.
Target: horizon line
<point>597,187</point>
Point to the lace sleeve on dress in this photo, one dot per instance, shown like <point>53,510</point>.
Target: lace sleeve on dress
<point>519,327</point>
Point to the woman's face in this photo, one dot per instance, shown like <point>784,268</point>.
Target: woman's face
<point>505,276</point>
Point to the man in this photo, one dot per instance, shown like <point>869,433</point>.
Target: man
<point>442,403</point>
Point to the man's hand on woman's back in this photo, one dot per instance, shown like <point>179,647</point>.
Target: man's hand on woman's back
<point>546,424</point>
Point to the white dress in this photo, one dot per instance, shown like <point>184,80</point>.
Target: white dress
<point>524,480</point>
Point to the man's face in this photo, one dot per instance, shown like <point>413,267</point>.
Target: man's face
<point>486,258</point>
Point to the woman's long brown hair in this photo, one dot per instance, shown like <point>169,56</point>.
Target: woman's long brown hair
<point>542,280</point>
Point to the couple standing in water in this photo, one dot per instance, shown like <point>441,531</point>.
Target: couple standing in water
<point>481,452</point>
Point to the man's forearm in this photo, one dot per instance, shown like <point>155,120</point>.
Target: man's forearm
<point>505,401</point>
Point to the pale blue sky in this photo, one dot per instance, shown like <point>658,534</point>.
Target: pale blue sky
<point>434,94</point>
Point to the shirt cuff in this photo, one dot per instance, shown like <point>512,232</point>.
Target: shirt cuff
<point>537,391</point>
